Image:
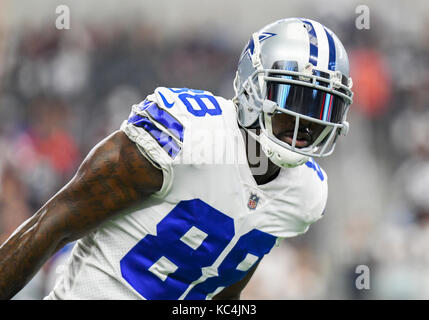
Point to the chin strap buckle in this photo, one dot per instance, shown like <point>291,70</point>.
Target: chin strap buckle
<point>269,107</point>
<point>345,128</point>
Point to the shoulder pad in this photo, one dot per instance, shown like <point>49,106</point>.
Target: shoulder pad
<point>316,190</point>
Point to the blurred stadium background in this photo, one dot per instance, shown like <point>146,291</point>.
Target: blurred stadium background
<point>61,91</point>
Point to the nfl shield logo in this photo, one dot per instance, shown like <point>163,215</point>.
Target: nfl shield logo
<point>253,201</point>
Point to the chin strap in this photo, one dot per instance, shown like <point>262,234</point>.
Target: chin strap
<point>279,155</point>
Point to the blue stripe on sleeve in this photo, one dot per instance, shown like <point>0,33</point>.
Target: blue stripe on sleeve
<point>166,119</point>
<point>163,117</point>
<point>163,139</point>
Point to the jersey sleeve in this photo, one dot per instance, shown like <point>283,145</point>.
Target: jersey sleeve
<point>173,127</point>
<point>300,201</point>
<point>315,195</point>
<point>158,135</point>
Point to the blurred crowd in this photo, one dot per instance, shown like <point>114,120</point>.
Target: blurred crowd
<point>62,91</point>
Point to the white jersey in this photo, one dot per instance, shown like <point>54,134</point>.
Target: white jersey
<point>210,222</point>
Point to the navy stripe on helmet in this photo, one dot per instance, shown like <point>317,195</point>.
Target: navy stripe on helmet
<point>312,37</point>
<point>332,53</point>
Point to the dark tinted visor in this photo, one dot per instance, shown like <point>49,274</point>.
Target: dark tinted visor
<point>307,101</point>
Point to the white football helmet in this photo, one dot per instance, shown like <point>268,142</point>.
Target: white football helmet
<point>297,67</point>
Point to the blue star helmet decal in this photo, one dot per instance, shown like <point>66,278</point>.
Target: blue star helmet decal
<point>251,46</point>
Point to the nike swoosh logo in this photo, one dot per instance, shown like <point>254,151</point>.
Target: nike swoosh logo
<point>166,103</point>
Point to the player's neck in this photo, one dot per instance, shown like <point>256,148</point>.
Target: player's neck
<point>262,169</point>
<point>272,173</point>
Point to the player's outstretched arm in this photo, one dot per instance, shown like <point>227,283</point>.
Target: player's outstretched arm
<point>114,176</point>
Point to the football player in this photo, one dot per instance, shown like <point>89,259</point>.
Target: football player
<point>159,214</point>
